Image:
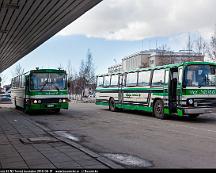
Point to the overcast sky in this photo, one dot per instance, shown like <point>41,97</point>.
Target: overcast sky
<point>117,28</point>
<point>140,19</point>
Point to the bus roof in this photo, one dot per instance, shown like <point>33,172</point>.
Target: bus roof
<point>164,67</point>
<point>47,71</point>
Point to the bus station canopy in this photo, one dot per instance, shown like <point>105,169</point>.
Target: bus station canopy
<point>26,24</point>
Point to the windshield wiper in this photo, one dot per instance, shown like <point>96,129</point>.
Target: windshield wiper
<point>56,87</point>
<point>46,82</point>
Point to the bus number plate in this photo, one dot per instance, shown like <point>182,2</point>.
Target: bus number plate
<point>50,106</point>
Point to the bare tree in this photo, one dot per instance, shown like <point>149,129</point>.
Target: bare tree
<point>90,69</point>
<point>189,43</point>
<point>87,73</point>
<point>212,49</point>
<point>71,78</point>
<point>3,79</point>
<point>19,70</point>
<point>201,46</point>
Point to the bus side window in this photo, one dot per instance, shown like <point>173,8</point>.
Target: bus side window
<point>158,77</point>
<point>100,81</point>
<point>106,81</point>
<point>131,79</point>
<point>180,76</point>
<point>144,78</point>
<point>114,80</point>
<point>166,82</point>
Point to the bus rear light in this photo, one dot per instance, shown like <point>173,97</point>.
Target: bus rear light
<point>39,101</point>
<point>35,102</point>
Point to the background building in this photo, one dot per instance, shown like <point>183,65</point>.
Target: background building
<point>155,57</point>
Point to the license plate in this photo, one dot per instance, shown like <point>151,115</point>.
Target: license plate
<point>50,106</point>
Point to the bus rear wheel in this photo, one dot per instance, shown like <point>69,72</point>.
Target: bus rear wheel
<point>159,109</point>
<point>112,105</point>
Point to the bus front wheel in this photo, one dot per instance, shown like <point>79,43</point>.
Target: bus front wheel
<point>57,110</point>
<point>112,105</point>
<point>159,109</point>
<point>194,116</point>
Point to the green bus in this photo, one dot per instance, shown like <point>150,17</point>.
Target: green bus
<point>40,89</point>
<point>184,89</point>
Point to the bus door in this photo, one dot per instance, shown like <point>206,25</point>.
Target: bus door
<point>173,90</point>
<point>166,87</point>
<point>120,90</point>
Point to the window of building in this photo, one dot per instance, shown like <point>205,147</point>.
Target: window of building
<point>131,79</point>
<point>114,80</point>
<point>106,81</point>
<point>151,61</point>
<point>144,78</point>
<point>158,77</point>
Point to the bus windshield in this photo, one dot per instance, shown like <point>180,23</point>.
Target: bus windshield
<point>48,81</point>
<point>199,76</point>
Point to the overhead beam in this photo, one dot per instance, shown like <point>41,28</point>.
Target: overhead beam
<point>26,24</point>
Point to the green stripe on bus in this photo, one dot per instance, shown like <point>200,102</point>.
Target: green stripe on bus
<point>199,91</point>
<point>134,107</point>
<point>102,103</point>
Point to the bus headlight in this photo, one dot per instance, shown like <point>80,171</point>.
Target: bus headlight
<point>190,101</point>
<point>60,100</point>
<point>39,101</point>
<point>64,100</point>
<point>35,102</point>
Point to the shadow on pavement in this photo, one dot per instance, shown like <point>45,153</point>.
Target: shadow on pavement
<point>203,118</point>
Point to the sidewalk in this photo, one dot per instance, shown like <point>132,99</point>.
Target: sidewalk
<point>37,154</point>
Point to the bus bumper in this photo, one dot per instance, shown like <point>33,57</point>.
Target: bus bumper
<point>48,106</point>
<point>189,111</point>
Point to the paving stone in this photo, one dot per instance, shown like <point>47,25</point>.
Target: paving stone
<point>14,165</point>
<point>32,163</point>
<point>12,159</point>
<point>67,165</point>
<point>42,166</point>
<point>14,154</point>
<point>32,156</point>
<point>58,158</point>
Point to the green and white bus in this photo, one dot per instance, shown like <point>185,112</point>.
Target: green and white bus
<point>40,89</point>
<point>185,89</point>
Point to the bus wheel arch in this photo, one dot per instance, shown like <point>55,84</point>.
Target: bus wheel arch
<point>112,105</point>
<point>158,108</point>
<point>193,116</point>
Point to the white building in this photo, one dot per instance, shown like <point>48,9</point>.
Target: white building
<point>154,57</point>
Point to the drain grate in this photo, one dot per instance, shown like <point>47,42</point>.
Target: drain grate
<point>129,160</point>
<point>38,140</point>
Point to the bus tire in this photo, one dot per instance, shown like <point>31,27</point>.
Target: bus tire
<point>56,110</point>
<point>194,116</point>
<point>112,105</point>
<point>25,109</point>
<point>16,107</point>
<point>159,109</point>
